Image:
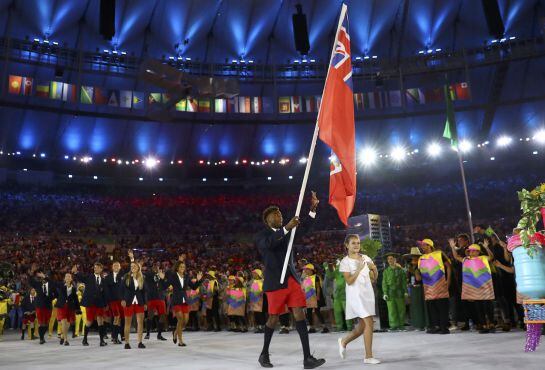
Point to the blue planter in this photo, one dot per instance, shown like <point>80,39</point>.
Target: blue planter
<point>530,272</point>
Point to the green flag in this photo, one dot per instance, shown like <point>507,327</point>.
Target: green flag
<point>450,125</point>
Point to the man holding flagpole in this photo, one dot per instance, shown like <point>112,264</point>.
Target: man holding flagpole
<point>335,126</point>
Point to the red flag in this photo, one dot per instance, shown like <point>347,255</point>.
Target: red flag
<point>336,123</point>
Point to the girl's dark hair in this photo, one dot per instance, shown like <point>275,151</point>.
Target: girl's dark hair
<point>177,265</point>
<point>350,237</point>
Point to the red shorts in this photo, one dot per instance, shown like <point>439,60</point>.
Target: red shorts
<point>65,313</point>
<point>183,308</point>
<point>29,318</point>
<point>92,312</point>
<point>292,296</point>
<point>115,308</point>
<point>107,312</point>
<point>133,309</point>
<point>43,315</point>
<point>157,305</point>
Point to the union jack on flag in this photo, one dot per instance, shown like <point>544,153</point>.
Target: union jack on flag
<point>336,123</point>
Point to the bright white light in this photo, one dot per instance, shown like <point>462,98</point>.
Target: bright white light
<point>368,156</point>
<point>398,154</point>
<point>539,136</point>
<point>70,176</point>
<point>86,159</point>
<point>150,162</point>
<point>95,177</point>
<point>465,146</point>
<point>290,177</point>
<point>269,178</point>
<point>25,169</point>
<point>225,179</point>
<point>535,152</point>
<point>66,157</point>
<point>161,179</point>
<point>504,141</point>
<point>204,179</point>
<point>303,160</point>
<point>41,155</point>
<point>434,150</point>
<point>492,158</point>
<point>119,161</point>
<point>140,179</point>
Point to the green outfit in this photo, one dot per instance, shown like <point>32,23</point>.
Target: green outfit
<point>339,298</point>
<point>418,305</point>
<point>394,287</point>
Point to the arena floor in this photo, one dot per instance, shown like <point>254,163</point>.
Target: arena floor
<point>407,350</point>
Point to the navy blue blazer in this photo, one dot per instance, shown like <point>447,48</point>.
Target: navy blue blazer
<point>273,246</point>
<point>94,294</point>
<point>130,291</point>
<point>42,300</point>
<point>179,295</point>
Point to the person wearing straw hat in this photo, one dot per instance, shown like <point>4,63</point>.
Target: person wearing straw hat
<point>436,273</point>
<point>394,288</point>
<point>477,286</point>
<point>256,301</point>
<point>212,302</point>
<point>416,291</point>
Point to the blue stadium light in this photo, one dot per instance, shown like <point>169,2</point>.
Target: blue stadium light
<point>107,51</point>
<point>46,41</point>
<point>358,58</point>
<point>36,40</point>
<point>493,41</point>
<point>251,61</point>
<point>297,61</point>
<point>66,157</point>
<point>421,52</point>
<point>512,38</point>
<point>25,169</point>
<point>313,60</point>
<point>539,136</point>
<point>180,58</point>
<point>465,146</point>
<point>430,51</point>
<point>123,53</point>
<point>398,154</point>
<point>366,57</point>
<point>434,150</point>
<point>42,155</point>
<point>303,160</point>
<point>234,61</point>
<point>18,153</point>
<point>503,39</point>
<point>368,156</point>
<point>55,43</point>
<point>171,58</point>
<point>375,57</point>
<point>242,61</point>
<point>114,52</point>
<point>188,59</point>
<point>304,60</point>
<point>504,141</point>
<point>438,50</point>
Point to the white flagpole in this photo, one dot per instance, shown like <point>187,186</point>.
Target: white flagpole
<point>310,155</point>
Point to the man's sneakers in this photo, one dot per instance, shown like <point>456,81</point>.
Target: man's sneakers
<point>312,363</point>
<point>371,361</point>
<point>264,360</point>
<point>342,349</point>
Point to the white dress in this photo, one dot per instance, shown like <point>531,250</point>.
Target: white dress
<point>360,296</point>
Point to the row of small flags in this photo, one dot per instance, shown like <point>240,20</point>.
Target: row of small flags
<point>19,85</point>
<point>379,99</point>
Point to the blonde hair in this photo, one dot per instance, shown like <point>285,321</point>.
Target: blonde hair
<point>139,277</point>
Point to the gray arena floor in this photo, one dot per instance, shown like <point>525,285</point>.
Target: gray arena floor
<point>406,350</point>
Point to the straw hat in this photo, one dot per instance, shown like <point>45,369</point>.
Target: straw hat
<point>415,252</point>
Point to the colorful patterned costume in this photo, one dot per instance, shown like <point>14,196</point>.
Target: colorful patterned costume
<point>477,279</point>
<point>432,268</point>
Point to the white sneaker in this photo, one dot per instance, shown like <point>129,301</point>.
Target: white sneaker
<point>342,350</point>
<point>371,361</point>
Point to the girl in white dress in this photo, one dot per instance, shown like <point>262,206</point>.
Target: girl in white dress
<point>359,272</point>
